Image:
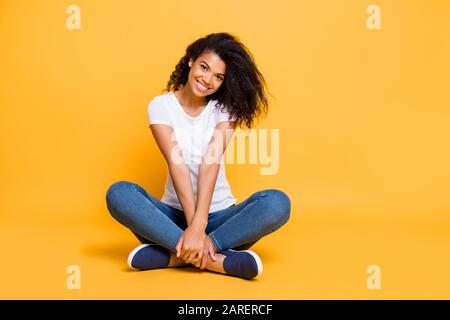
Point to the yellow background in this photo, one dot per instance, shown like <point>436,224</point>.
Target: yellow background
<point>364,144</point>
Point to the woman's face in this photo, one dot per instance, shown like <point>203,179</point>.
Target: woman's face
<point>207,74</point>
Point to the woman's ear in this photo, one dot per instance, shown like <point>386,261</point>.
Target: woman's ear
<point>190,62</point>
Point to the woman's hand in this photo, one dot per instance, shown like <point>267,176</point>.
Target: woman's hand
<point>191,244</point>
<point>209,251</point>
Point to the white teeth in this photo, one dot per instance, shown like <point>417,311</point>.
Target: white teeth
<point>201,87</point>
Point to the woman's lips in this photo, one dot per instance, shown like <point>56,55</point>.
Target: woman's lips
<point>201,87</point>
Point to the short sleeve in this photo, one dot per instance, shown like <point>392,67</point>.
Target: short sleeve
<point>223,115</point>
<point>158,112</point>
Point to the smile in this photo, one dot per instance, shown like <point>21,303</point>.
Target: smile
<point>201,87</point>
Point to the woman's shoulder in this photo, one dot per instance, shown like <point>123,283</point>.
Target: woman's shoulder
<point>163,97</point>
<point>158,110</point>
<point>160,102</point>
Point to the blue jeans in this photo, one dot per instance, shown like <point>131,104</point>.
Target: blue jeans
<point>236,227</point>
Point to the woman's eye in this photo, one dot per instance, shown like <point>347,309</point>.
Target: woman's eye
<point>203,67</point>
<point>220,78</point>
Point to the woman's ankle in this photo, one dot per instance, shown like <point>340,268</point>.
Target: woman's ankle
<point>175,261</point>
<point>217,265</point>
<point>210,265</point>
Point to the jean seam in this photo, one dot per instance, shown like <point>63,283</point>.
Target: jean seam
<point>215,242</point>
<point>275,228</point>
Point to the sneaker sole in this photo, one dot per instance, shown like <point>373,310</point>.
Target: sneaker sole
<point>256,257</point>
<point>132,254</point>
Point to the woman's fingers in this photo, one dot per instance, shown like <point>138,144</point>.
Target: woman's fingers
<point>204,260</point>
<point>212,253</point>
<point>200,254</point>
<point>186,255</point>
<point>198,262</point>
<point>192,258</point>
<point>179,246</point>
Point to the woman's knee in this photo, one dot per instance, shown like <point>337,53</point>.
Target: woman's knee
<point>116,189</point>
<point>115,194</point>
<point>279,206</point>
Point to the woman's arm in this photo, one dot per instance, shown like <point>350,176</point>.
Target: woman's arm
<point>207,177</point>
<point>178,169</point>
<point>191,245</point>
<point>209,170</point>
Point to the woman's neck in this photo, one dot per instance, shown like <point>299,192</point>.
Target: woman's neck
<point>189,100</point>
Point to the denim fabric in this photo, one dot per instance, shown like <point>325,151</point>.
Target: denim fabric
<point>236,227</point>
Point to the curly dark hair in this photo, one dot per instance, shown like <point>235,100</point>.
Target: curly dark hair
<point>243,92</point>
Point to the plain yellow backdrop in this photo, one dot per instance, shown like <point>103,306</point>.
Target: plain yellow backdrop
<point>364,144</point>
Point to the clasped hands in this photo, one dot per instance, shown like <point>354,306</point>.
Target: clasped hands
<point>195,246</point>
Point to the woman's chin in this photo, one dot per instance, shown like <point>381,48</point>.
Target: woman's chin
<point>200,94</point>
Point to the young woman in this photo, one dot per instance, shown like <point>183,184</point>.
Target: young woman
<point>215,88</point>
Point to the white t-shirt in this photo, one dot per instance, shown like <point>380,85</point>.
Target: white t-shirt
<point>193,135</point>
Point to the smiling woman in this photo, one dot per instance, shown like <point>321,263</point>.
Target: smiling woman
<point>205,77</point>
<point>214,88</point>
<point>221,68</point>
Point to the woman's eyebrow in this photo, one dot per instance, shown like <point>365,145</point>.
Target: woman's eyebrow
<point>210,67</point>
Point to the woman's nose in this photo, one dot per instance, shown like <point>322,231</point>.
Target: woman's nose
<point>207,79</point>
